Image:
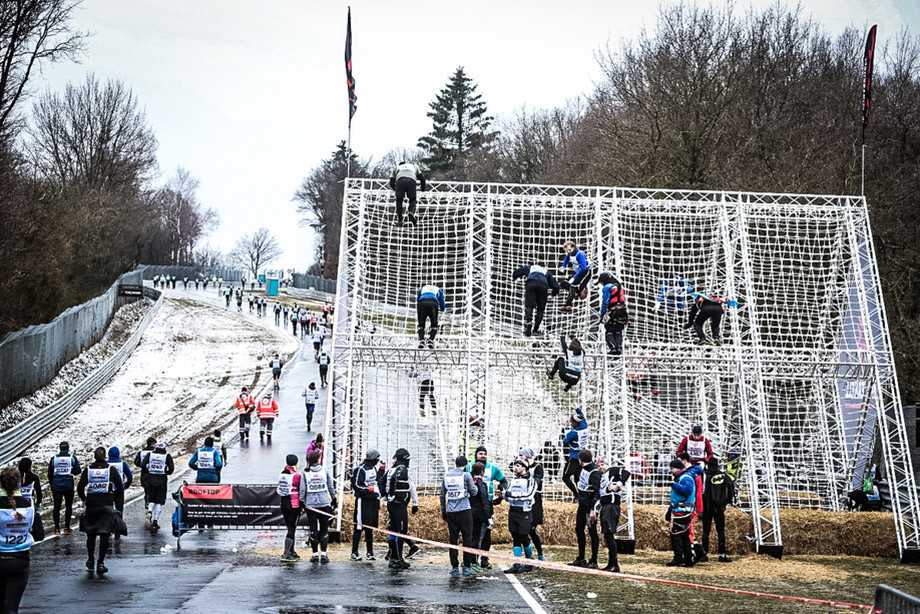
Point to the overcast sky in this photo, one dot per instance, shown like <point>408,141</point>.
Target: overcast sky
<point>250,96</point>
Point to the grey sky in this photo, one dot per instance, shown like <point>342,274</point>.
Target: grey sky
<point>250,96</point>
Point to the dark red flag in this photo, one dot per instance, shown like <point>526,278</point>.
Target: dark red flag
<point>352,98</point>
<point>868,61</point>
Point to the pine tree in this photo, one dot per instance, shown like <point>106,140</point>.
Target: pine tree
<point>460,125</point>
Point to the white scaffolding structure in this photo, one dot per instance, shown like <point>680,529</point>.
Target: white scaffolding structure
<point>803,384</point>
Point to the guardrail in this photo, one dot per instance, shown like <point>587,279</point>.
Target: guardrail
<point>892,601</point>
<point>18,438</point>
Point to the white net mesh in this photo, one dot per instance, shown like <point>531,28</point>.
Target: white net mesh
<point>803,358</point>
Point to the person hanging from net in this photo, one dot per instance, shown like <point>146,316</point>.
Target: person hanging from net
<point>704,308</point>
<point>429,302</point>
<point>537,285</point>
<point>570,364</point>
<point>613,314</point>
<point>577,284</point>
<point>425,392</point>
<point>405,180</point>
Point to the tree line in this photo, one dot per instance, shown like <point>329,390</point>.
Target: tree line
<point>708,98</point>
<point>78,200</point>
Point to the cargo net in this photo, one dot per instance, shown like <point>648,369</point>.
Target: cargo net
<point>791,379</point>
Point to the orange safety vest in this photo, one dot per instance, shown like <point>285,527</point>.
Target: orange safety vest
<point>268,408</point>
<point>244,403</point>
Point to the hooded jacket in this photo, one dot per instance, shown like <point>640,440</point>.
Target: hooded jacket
<point>124,471</point>
<point>206,474</point>
<point>30,485</point>
<point>59,476</point>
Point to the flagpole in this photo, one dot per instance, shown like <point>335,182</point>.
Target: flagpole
<point>348,167</point>
<point>862,189</point>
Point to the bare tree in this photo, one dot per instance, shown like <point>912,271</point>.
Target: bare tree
<point>256,250</point>
<point>183,217</point>
<point>31,32</point>
<point>95,135</point>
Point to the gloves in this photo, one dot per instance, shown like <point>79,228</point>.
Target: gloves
<point>444,516</point>
<point>335,504</point>
<point>562,269</point>
<point>414,510</point>
<point>732,303</point>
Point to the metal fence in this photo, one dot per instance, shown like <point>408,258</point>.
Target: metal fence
<point>192,272</point>
<point>14,441</point>
<point>892,601</point>
<point>320,284</point>
<point>31,357</point>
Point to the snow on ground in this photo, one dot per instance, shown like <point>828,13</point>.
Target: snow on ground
<point>123,324</point>
<point>178,385</point>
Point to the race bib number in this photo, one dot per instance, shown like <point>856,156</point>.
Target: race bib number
<point>62,465</point>
<point>285,484</point>
<point>696,449</point>
<point>539,270</point>
<point>98,481</point>
<point>454,485</point>
<point>157,464</point>
<point>518,487</point>
<point>205,459</point>
<point>316,481</point>
<point>583,436</point>
<point>26,491</point>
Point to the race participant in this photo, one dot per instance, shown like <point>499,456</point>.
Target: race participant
<point>613,480</point>
<point>220,445</point>
<point>159,466</point>
<point>680,513</point>
<point>481,506</point>
<point>318,495</point>
<point>399,490</point>
<point>429,301</point>
<point>536,289</point>
<point>310,396</point>
<point>268,411</point>
<point>491,475</point>
<point>696,445</point>
<point>569,364</point>
<point>276,363</point>
<point>245,405</point>
<point>323,369</point>
<point>536,512</point>
<point>124,472</point>
<point>718,493</point>
<point>142,454</point>
<point>589,485</point>
<point>31,488</point>
<point>206,461</point>
<point>101,489</point>
<point>317,343</point>
<point>457,488</point>
<point>520,496</point>
<point>289,488</point>
<point>367,504</point>
<point>578,283</point>
<point>61,469</point>
<point>16,518</point>
<point>576,440</point>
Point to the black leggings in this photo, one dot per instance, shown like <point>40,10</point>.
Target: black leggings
<point>14,575</point>
<point>712,312</point>
<point>427,309</point>
<point>571,473</point>
<point>67,497</point>
<point>460,523</point>
<point>405,186</point>
<point>319,528</point>
<point>578,284</point>
<point>716,513</point>
<point>581,521</point>
<point>534,299</point>
<point>291,514</point>
<point>535,538</point>
<point>426,389</point>
<point>614,335</point>
<point>398,523</point>
<point>91,545</point>
<point>569,377</point>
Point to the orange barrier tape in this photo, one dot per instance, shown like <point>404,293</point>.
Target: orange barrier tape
<point>598,572</point>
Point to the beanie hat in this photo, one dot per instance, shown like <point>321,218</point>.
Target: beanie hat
<point>697,429</point>
<point>481,449</point>
<point>65,445</point>
<point>460,461</point>
<point>291,459</point>
<point>161,445</point>
<point>526,452</point>
<point>372,455</point>
<point>151,441</point>
<point>577,418</point>
<point>676,464</point>
<point>520,462</point>
<point>114,453</point>
<point>208,441</point>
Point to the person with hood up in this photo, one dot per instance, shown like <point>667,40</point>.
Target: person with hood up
<point>207,462</point>
<point>124,471</point>
<point>102,491</point>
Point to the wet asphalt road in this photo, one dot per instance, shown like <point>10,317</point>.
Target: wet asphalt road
<point>239,571</point>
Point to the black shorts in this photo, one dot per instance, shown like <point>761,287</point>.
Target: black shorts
<point>519,521</point>
<point>609,517</point>
<point>276,372</point>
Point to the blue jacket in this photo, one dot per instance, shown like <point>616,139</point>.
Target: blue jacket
<point>433,293</point>
<point>120,466</point>
<point>577,438</point>
<point>581,262</point>
<point>62,479</point>
<point>683,491</point>
<point>206,474</point>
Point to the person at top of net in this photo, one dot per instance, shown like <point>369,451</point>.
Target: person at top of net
<point>704,308</point>
<point>536,288</point>
<point>405,180</point>
<point>570,364</point>
<point>276,363</point>
<point>696,445</point>
<point>429,302</point>
<point>613,314</point>
<point>577,284</point>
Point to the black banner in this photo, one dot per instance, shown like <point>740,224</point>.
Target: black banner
<point>352,98</point>
<point>868,62</point>
<point>130,290</point>
<point>234,505</point>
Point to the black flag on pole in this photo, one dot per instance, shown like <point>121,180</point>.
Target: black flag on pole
<point>868,60</point>
<point>352,98</point>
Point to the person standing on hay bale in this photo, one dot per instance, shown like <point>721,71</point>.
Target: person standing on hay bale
<point>698,447</point>
<point>680,514</point>
<point>589,486</point>
<point>520,496</point>
<point>577,440</point>
<point>569,364</point>
<point>613,481</point>
<point>536,512</point>
<point>577,284</point>
<point>697,472</point>
<point>367,504</point>
<point>457,488</point>
<point>718,493</point>
<point>536,289</point>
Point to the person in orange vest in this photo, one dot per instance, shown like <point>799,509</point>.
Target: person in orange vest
<point>245,405</point>
<point>268,411</point>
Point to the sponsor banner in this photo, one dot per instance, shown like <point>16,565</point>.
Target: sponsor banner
<point>235,505</point>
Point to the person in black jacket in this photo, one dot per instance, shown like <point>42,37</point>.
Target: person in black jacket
<point>536,289</point>
<point>719,492</point>
<point>367,504</point>
<point>139,458</point>
<point>159,466</point>
<point>31,488</point>
<point>589,487</point>
<point>61,469</point>
<point>100,488</point>
<point>613,480</point>
<point>481,505</point>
